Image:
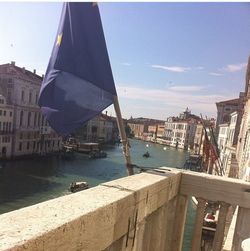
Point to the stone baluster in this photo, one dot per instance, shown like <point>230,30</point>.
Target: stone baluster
<point>220,229</point>
<point>196,239</point>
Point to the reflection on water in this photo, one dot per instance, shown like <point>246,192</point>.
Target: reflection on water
<point>27,182</point>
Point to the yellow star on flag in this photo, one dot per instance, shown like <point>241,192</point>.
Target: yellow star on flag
<point>59,39</point>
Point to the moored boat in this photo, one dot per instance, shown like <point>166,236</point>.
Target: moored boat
<point>87,147</point>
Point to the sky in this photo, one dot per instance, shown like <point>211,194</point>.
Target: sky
<point>164,56</point>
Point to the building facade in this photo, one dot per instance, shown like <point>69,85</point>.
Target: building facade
<point>180,132</point>
<point>225,108</point>
<point>31,132</point>
<point>101,129</point>
<point>6,128</point>
<point>144,128</point>
<point>243,146</point>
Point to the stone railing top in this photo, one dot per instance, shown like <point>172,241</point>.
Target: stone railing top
<point>96,213</point>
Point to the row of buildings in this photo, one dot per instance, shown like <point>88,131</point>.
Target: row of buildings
<point>183,131</point>
<point>233,129</point>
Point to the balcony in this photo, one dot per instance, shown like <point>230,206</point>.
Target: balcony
<point>9,132</point>
<point>143,212</point>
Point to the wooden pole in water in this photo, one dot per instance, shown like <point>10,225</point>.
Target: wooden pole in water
<point>123,136</point>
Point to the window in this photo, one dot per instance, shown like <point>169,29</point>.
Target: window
<point>21,135</point>
<point>0,125</point>
<point>28,145</point>
<point>0,112</point>
<point>39,118</point>
<point>21,118</point>
<point>36,98</point>
<point>29,116</point>
<point>4,126</point>
<point>35,118</point>
<point>20,146</point>
<point>22,97</point>
<point>42,120</point>
<point>10,114</point>
<point>4,113</point>
<point>30,97</point>
<point>9,95</point>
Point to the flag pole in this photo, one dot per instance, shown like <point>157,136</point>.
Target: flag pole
<point>123,136</point>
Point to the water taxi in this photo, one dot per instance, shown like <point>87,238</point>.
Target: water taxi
<point>78,186</point>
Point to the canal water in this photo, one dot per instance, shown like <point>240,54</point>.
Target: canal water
<point>30,181</point>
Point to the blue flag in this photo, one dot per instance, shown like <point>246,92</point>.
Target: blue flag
<point>78,83</point>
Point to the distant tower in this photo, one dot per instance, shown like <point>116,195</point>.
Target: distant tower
<point>185,114</point>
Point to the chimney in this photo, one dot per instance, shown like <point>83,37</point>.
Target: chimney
<point>34,71</point>
<point>13,62</point>
<point>43,76</point>
<point>106,113</point>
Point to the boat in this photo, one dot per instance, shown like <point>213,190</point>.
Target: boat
<point>194,163</point>
<point>68,152</point>
<point>71,142</point>
<point>87,147</point>
<point>78,186</point>
<point>97,154</point>
<point>146,155</point>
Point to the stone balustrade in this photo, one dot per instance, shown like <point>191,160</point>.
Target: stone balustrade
<point>142,212</point>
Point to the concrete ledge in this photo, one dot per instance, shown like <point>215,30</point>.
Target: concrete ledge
<point>92,219</point>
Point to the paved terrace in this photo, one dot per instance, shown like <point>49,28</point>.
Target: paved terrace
<point>143,212</point>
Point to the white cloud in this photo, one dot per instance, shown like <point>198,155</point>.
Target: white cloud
<point>172,68</point>
<point>187,88</point>
<point>168,98</point>
<point>126,64</point>
<point>234,67</point>
<point>199,68</point>
<point>215,74</point>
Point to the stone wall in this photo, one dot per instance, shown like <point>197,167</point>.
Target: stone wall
<point>133,213</point>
